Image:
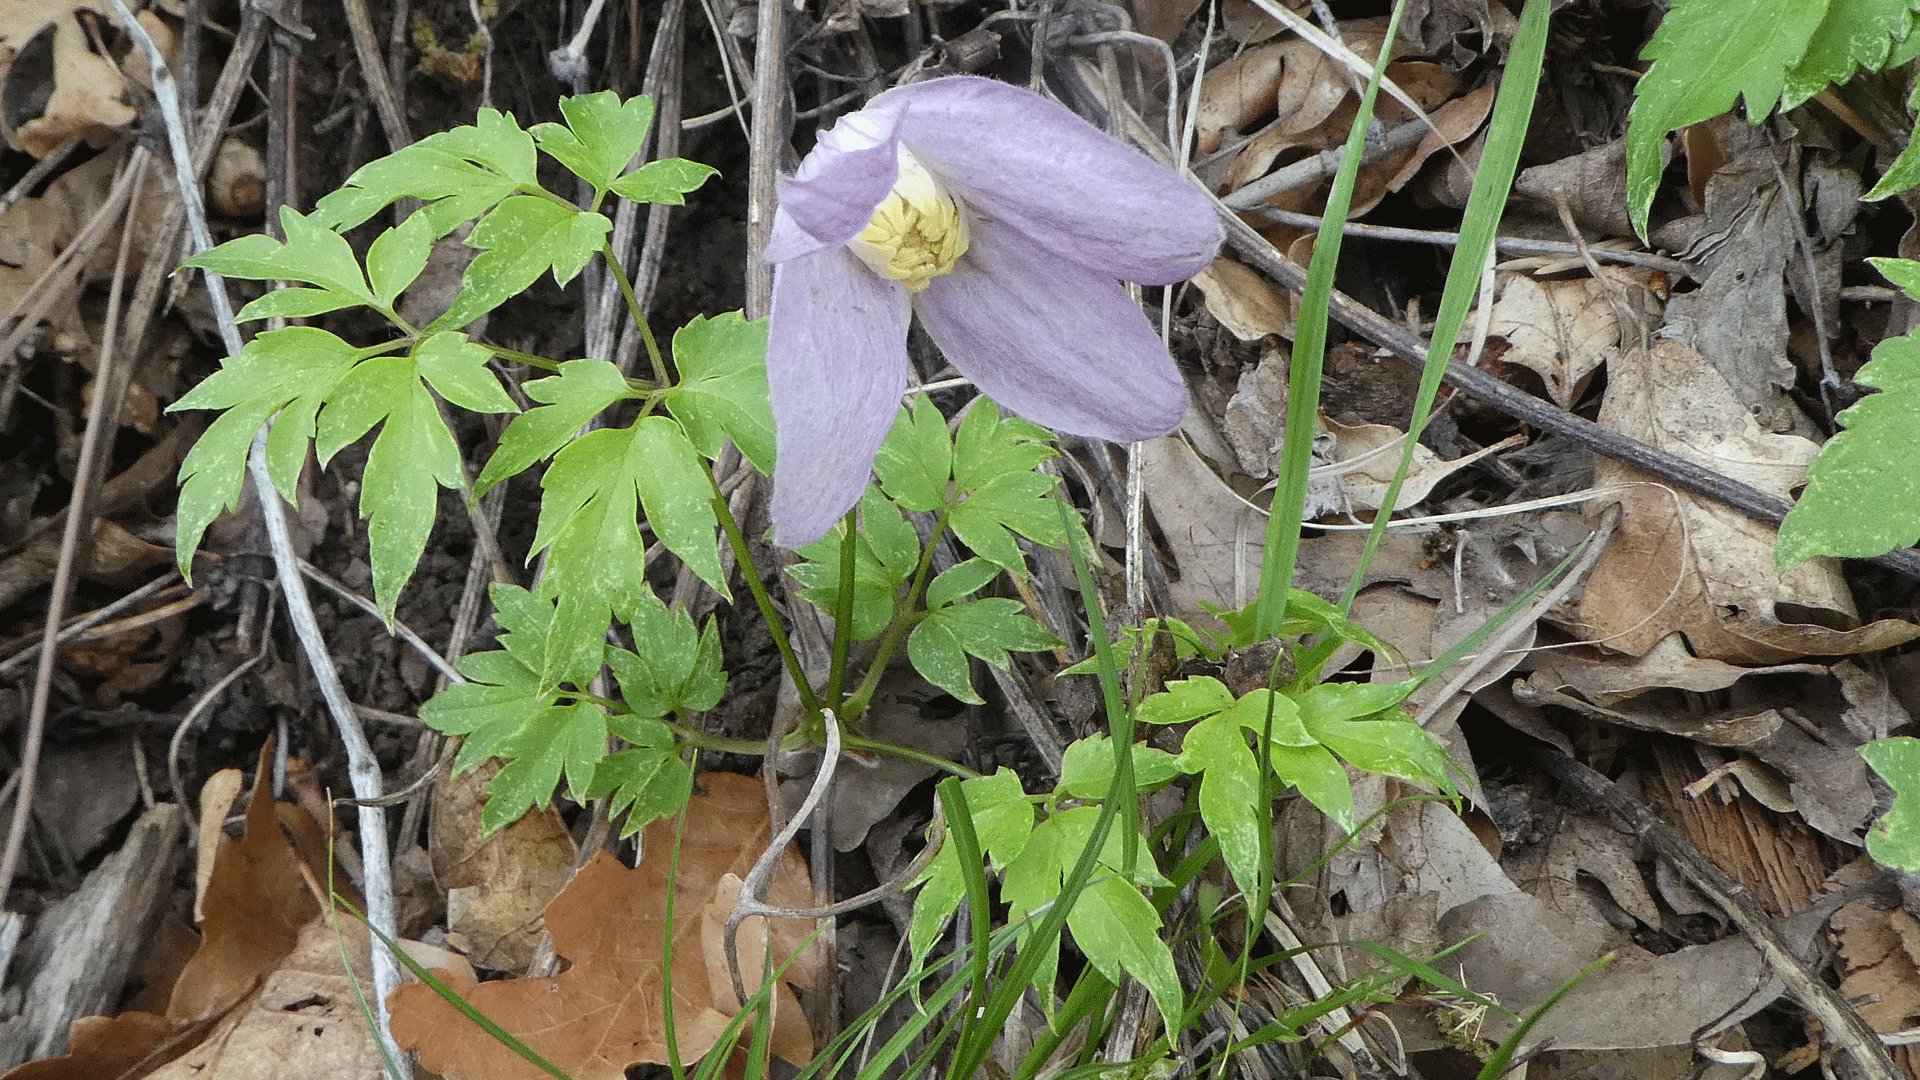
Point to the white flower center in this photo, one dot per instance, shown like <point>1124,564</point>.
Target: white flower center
<point>917,231</point>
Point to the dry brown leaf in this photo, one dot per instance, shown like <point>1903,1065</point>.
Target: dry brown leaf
<point>1610,679</point>
<point>1245,302</point>
<point>496,887</point>
<point>604,1013</point>
<point>256,902</point>
<point>1681,563</point>
<point>1882,951</point>
<point>86,97</point>
<point>304,1023</point>
<point>1562,330</point>
<point>1366,456</point>
<point>102,1047</point>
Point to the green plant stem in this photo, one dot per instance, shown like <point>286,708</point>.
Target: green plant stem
<point>654,362</point>
<point>738,541</point>
<point>843,611</point>
<point>694,737</point>
<point>530,359</point>
<point>905,618</point>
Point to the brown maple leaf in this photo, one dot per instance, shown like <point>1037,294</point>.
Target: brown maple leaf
<point>606,1013</point>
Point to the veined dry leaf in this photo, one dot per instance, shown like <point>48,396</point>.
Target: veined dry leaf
<point>1609,680</point>
<point>254,906</point>
<point>304,1023</point>
<point>1882,951</point>
<point>1562,330</point>
<point>496,887</point>
<point>101,1046</point>
<point>1245,302</point>
<point>1681,563</point>
<point>1367,455</point>
<point>604,1013</point>
<point>86,95</point>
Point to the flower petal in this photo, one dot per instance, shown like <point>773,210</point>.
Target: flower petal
<point>1054,341</point>
<point>836,368</point>
<point>1015,156</point>
<point>834,193</point>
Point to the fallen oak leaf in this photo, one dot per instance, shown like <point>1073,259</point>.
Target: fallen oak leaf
<point>606,1012</point>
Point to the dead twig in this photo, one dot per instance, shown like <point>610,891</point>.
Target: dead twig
<point>110,382</point>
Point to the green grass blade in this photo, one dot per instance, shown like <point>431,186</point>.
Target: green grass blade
<point>1492,182</point>
<point>1309,359</point>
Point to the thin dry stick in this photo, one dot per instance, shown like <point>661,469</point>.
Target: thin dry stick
<point>362,767</point>
<point>761,876</point>
<point>366,49</point>
<point>769,137</point>
<point>85,475</point>
<point>95,617</point>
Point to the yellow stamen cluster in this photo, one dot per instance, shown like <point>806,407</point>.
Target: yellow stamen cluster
<point>917,231</point>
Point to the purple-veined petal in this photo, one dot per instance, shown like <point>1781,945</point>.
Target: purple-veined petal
<point>1057,342</point>
<point>1017,157</point>
<point>846,175</point>
<point>836,368</point>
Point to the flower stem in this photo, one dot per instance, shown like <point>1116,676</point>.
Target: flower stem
<point>904,619</point>
<point>843,611</point>
<point>738,541</point>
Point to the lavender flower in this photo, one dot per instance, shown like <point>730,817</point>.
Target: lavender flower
<point>1008,223</point>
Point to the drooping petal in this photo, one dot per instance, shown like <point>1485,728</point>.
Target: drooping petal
<point>1057,342</point>
<point>843,178</point>
<point>1015,156</point>
<point>836,368</point>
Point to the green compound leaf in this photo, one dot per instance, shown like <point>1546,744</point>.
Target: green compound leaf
<point>993,463</point>
<point>414,455</point>
<point>1086,768</point>
<point>646,782</point>
<point>1003,820</point>
<point>940,645</point>
<point>885,554</point>
<point>722,393</point>
<point>1034,878</point>
<point>457,369</point>
<point>1119,931</point>
<point>294,370</point>
<point>1706,54</point>
<point>312,253</point>
<point>674,666</point>
<point>522,238</point>
<point>1863,496</point>
<point>960,581</point>
<point>506,712</point>
<point>1186,699</point>
<point>1856,35</point>
<point>1217,749</point>
<point>665,181</point>
<point>397,256</point>
<point>576,395</point>
<point>1362,723</point>
<point>987,446</point>
<point>558,740</point>
<point>1895,840</point>
<point>589,522</point>
<point>916,460</point>
<point>459,173</point>
<point>601,136</point>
